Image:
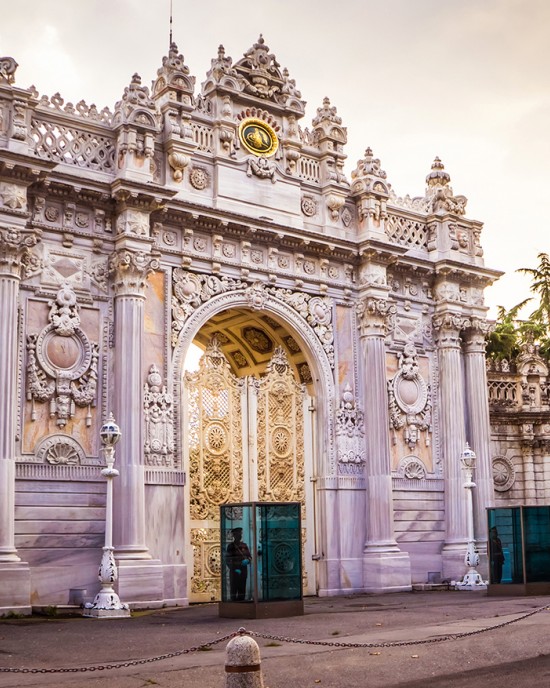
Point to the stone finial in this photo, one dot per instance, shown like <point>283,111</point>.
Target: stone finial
<point>439,194</point>
<point>437,175</point>
<point>326,113</point>
<point>369,166</point>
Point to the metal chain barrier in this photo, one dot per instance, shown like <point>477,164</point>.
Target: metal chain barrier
<point>397,643</point>
<point>119,665</point>
<point>268,636</point>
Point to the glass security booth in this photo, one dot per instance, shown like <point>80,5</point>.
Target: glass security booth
<point>519,550</point>
<point>261,551</point>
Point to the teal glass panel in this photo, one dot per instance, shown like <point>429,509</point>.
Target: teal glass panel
<point>279,551</point>
<point>505,546</point>
<point>237,532</point>
<point>536,526</point>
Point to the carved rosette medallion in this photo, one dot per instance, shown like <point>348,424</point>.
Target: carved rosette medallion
<point>504,474</point>
<point>409,400</point>
<point>199,178</point>
<point>62,362</point>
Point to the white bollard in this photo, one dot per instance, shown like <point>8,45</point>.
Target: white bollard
<point>243,665</point>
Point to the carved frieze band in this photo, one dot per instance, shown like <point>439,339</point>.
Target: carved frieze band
<point>192,290</point>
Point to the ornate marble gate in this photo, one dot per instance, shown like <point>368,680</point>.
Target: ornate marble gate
<point>248,439</point>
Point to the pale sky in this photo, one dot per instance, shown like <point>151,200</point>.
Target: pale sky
<point>466,80</point>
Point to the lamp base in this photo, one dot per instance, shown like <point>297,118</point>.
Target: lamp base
<point>471,581</point>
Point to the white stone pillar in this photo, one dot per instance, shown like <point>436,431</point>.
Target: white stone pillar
<point>478,423</point>
<point>130,268</point>
<point>452,433</point>
<point>385,567</point>
<point>14,574</point>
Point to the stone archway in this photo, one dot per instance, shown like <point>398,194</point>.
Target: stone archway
<point>316,461</point>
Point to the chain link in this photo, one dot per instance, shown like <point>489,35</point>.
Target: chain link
<point>397,643</point>
<point>268,636</point>
<point>120,665</point>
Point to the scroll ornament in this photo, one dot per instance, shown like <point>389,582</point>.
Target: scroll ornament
<point>62,362</point>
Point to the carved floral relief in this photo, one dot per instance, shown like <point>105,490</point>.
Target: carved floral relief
<point>410,401</point>
<point>62,363</point>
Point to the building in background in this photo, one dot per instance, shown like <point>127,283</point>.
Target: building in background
<point>342,332</point>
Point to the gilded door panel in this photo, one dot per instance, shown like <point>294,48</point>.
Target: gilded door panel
<point>245,442</point>
<point>281,448</point>
<point>216,473</point>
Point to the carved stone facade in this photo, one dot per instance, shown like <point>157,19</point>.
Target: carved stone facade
<point>341,327</point>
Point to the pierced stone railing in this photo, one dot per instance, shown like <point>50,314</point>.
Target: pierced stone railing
<point>309,169</point>
<point>407,232</point>
<point>204,137</point>
<point>73,145</point>
<point>503,393</point>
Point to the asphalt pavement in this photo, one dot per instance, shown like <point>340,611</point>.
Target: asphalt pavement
<point>402,640</point>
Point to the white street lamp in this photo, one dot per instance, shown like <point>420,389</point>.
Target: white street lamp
<point>107,603</point>
<point>472,579</point>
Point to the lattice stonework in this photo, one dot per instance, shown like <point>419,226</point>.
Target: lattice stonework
<point>406,232</point>
<point>503,392</point>
<point>75,147</point>
<point>215,435</point>
<point>280,434</point>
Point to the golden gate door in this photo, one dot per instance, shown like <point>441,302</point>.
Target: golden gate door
<point>247,439</point>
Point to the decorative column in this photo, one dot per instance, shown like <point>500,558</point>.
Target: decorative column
<point>452,431</point>
<point>14,574</point>
<point>130,269</point>
<point>479,428</point>
<point>385,567</point>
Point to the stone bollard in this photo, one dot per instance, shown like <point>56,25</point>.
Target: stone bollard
<point>243,665</point>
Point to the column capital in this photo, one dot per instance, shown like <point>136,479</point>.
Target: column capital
<point>475,335</point>
<point>130,269</point>
<point>376,316</point>
<point>447,328</point>
<point>15,244</point>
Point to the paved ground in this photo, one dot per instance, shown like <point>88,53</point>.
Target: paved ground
<point>517,654</point>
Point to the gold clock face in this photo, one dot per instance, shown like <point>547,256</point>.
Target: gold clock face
<point>258,137</point>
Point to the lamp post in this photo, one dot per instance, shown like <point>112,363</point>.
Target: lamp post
<point>107,603</point>
<point>472,579</point>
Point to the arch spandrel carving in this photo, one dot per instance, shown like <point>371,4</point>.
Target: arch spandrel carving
<point>303,332</point>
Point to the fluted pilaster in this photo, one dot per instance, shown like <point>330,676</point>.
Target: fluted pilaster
<point>479,429</point>
<point>14,245</point>
<point>130,270</point>
<point>452,427</point>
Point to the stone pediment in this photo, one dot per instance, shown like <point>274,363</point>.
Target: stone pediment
<point>257,75</point>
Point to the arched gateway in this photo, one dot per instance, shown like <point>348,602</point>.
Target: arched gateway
<point>251,437</point>
<point>342,329</point>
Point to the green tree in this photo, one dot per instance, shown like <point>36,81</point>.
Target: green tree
<point>538,325</point>
<point>504,340</point>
